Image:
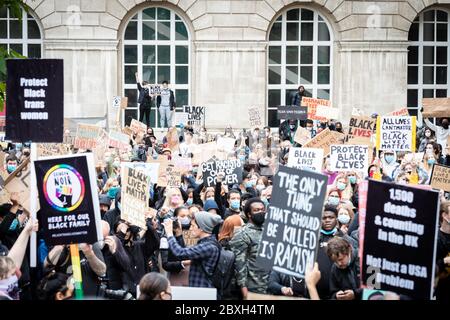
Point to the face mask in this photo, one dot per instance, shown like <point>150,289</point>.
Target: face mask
<point>102,213</point>
<point>260,187</point>
<point>328,232</point>
<point>235,204</point>
<point>116,164</point>
<point>344,218</point>
<point>185,221</point>
<point>431,161</point>
<point>352,179</point>
<point>445,125</point>
<point>309,128</point>
<point>259,218</point>
<point>11,287</point>
<point>266,202</point>
<point>292,126</point>
<point>242,158</point>
<point>11,168</point>
<point>389,158</point>
<point>341,186</point>
<point>334,201</point>
<point>427,134</point>
<point>112,192</point>
<point>175,199</point>
<point>250,184</point>
<point>190,201</point>
<point>18,146</point>
<point>339,129</point>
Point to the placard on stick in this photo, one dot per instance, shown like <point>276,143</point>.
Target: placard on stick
<point>396,133</point>
<point>312,104</point>
<point>306,159</point>
<point>290,238</point>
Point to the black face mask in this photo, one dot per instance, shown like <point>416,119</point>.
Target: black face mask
<point>259,218</point>
<point>445,125</point>
<point>186,226</point>
<point>339,129</point>
<point>121,236</point>
<point>102,213</point>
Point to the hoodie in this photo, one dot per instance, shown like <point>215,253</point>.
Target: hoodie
<point>112,216</point>
<point>346,279</point>
<point>389,168</point>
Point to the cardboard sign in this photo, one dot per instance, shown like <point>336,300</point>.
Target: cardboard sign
<point>396,133</point>
<point>35,100</point>
<point>398,113</point>
<point>323,141</point>
<point>150,169</point>
<point>292,112</point>
<point>361,126</point>
<point>306,159</point>
<point>118,140</point>
<point>399,250</point>
<point>231,168</point>
<point>184,164</point>
<point>163,163</point>
<point>349,158</point>
<point>440,177</point>
<point>87,136</point>
<point>173,177</point>
<point>52,149</point>
<point>19,182</point>
<point>70,210</point>
<point>203,152</point>
<point>254,117</point>
<point>196,115</point>
<point>135,194</point>
<point>189,239</point>
<point>312,104</point>
<point>290,238</point>
<point>302,136</point>
<point>327,112</point>
<point>436,107</point>
<point>138,127</point>
<point>225,144</point>
<point>154,89</point>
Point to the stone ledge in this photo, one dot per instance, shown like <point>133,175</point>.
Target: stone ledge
<point>232,46</point>
<point>91,45</point>
<point>371,45</point>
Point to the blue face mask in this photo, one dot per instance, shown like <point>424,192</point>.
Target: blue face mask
<point>250,184</point>
<point>328,232</point>
<point>341,186</point>
<point>242,158</point>
<point>389,158</point>
<point>235,204</point>
<point>334,201</point>
<point>190,201</point>
<point>11,168</point>
<point>352,179</point>
<point>19,146</point>
<point>112,192</point>
<point>431,161</point>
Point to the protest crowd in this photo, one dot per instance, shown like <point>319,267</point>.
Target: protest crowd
<point>192,209</point>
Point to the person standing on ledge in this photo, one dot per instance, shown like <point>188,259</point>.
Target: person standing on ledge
<point>166,105</point>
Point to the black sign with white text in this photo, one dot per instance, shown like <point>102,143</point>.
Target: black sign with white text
<point>292,112</point>
<point>35,100</point>
<point>231,169</point>
<point>400,239</point>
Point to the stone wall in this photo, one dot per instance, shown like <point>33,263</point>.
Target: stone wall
<point>229,51</point>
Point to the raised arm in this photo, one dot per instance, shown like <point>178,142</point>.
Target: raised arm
<point>19,248</point>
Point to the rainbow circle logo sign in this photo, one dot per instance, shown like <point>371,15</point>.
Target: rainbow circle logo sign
<point>63,187</point>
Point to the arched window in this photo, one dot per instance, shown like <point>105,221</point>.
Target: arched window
<point>23,36</point>
<point>156,45</point>
<point>300,53</point>
<point>429,46</point>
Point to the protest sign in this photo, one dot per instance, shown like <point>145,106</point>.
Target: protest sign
<point>363,188</point>
<point>181,118</point>
<point>312,104</point>
<point>134,198</point>
<point>302,135</point>
<point>196,115</point>
<point>120,102</point>
<point>184,164</point>
<point>306,159</point>
<point>154,89</point>
<point>87,136</point>
<point>361,126</point>
<point>436,107</point>
<point>19,182</point>
<point>225,144</point>
<point>52,149</point>
<point>323,141</point>
<point>162,163</point>
<point>138,127</point>
<point>118,140</point>
<point>190,240</point>
<point>349,158</point>
<point>290,238</point>
<point>440,177</point>
<point>70,210</point>
<point>173,177</point>
<point>327,112</point>
<point>398,113</point>
<point>231,168</point>
<point>396,133</point>
<point>35,100</point>
<point>150,169</point>
<point>203,152</point>
<point>292,112</point>
<point>255,118</point>
<point>400,237</point>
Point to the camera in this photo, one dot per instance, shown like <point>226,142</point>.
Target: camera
<point>104,292</point>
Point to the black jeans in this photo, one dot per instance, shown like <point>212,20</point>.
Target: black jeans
<point>144,111</point>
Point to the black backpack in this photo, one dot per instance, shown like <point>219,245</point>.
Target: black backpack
<point>223,273</point>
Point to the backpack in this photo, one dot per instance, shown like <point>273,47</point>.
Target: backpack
<point>223,273</point>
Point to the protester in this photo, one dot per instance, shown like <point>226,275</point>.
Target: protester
<point>165,103</point>
<point>154,286</point>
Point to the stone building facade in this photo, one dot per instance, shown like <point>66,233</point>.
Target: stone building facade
<point>224,60</point>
